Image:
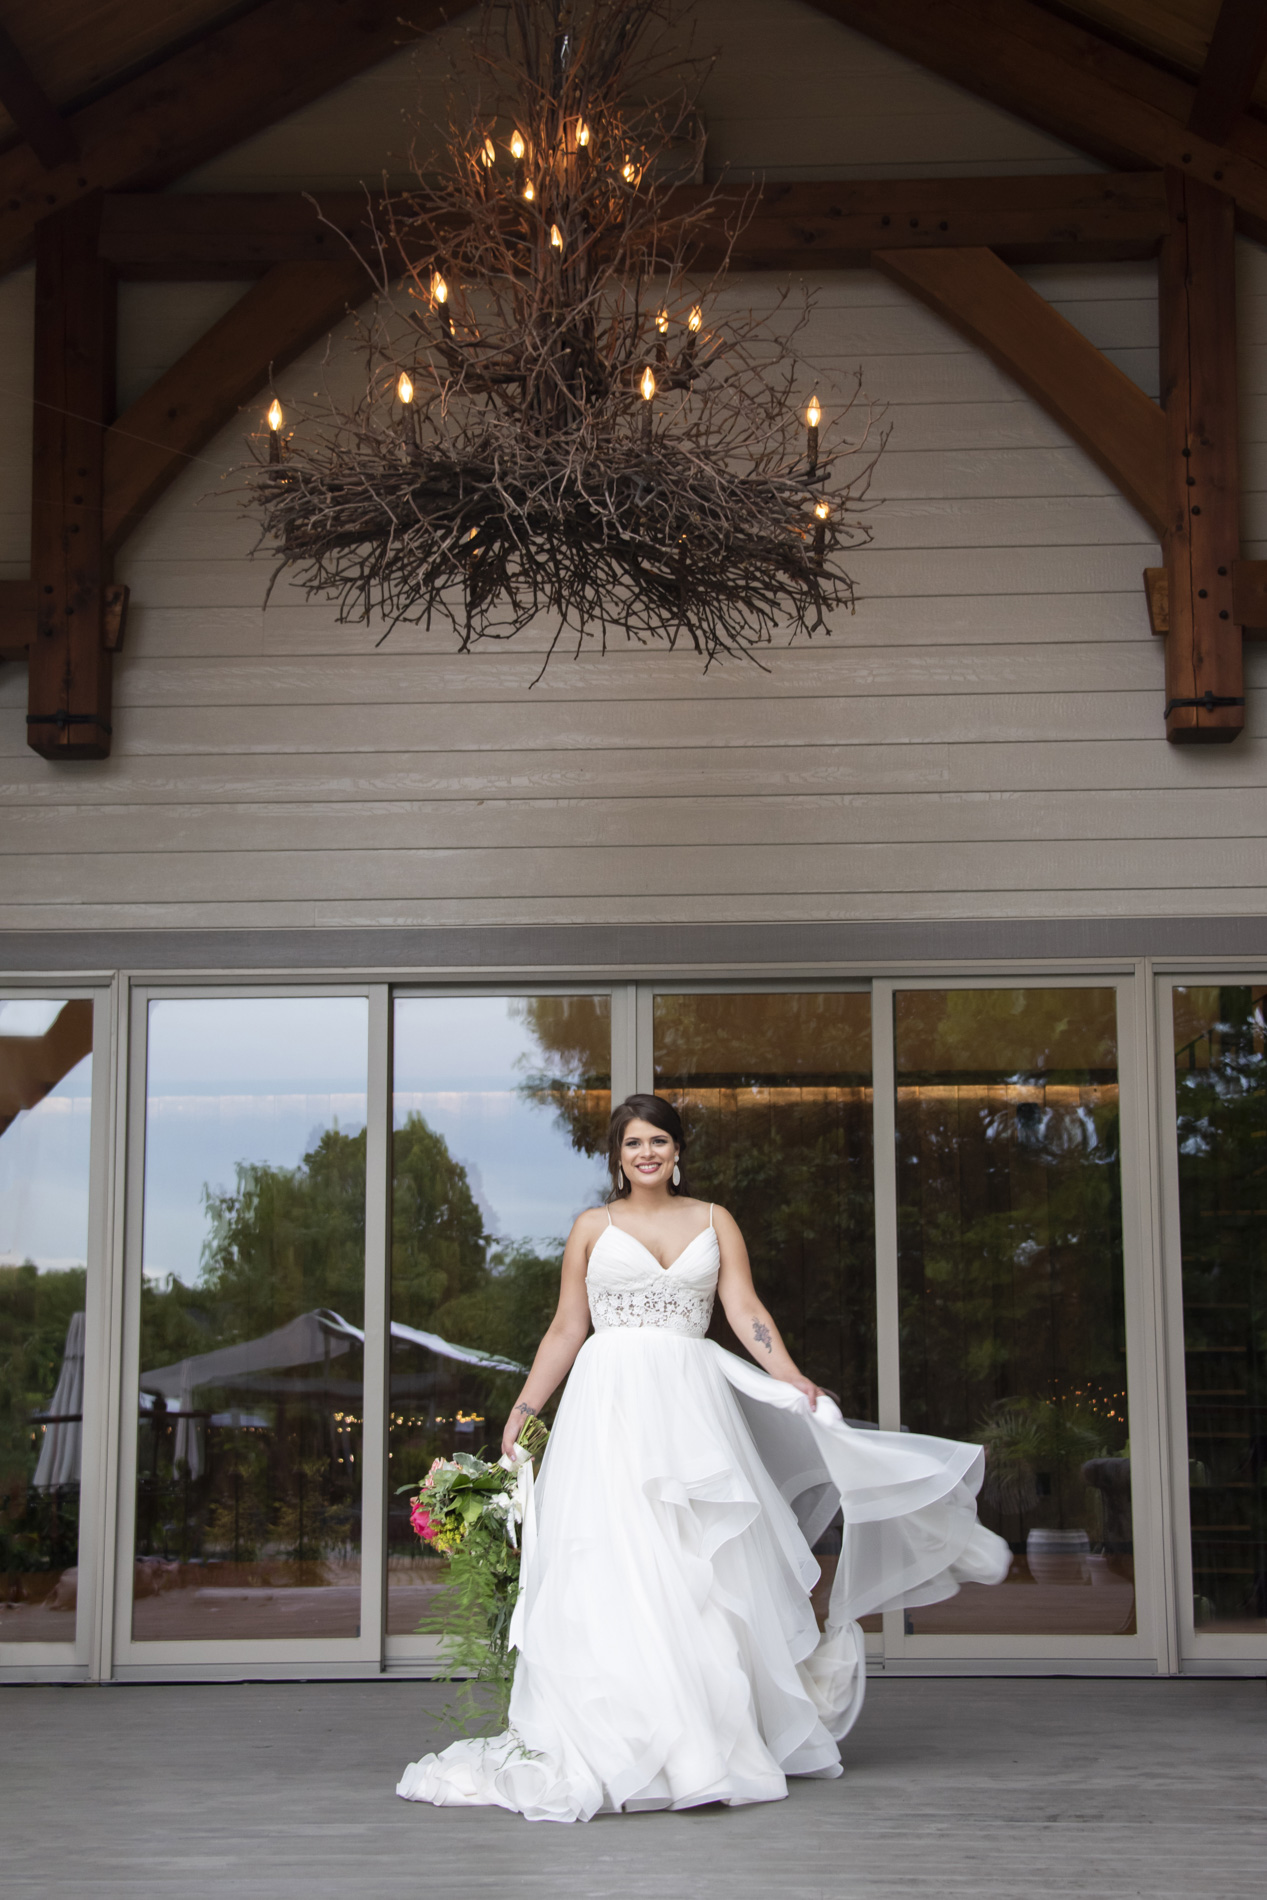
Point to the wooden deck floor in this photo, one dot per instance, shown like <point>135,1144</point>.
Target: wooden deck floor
<point>989,1790</point>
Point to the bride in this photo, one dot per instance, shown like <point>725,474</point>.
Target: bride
<point>668,1654</point>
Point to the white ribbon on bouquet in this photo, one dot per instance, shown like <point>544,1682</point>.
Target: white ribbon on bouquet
<point>523,1512</point>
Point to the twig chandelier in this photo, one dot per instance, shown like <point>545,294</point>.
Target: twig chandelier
<point>554,426</point>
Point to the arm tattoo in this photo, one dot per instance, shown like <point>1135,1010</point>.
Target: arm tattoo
<point>761,1333</point>
<point>527,1410</point>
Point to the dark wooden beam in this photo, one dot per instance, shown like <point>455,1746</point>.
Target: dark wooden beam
<point>68,713</point>
<point>1027,220</point>
<point>1205,690</point>
<point>1238,47</point>
<point>32,111</point>
<point>1106,101</point>
<point>228,85</point>
<point>17,619</point>
<point>1095,402</point>
<point>1249,598</point>
<point>150,445</point>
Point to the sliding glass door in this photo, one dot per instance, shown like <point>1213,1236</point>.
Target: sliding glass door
<point>1011,1290</point>
<point>500,1107</point>
<point>1214,1118</point>
<point>931,1179</point>
<point>345,1209</point>
<point>52,1102</point>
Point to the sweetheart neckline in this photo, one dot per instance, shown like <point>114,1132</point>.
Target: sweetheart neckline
<point>611,1228</point>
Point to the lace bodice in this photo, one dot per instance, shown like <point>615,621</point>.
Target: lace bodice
<point>628,1287</point>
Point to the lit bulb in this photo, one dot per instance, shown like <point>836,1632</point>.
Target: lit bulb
<point>582,132</point>
<point>404,388</point>
<point>662,322</point>
<point>439,289</point>
<point>822,510</point>
<point>813,415</point>
<point>647,385</point>
<point>556,237</point>
<point>275,416</point>
<point>529,192</point>
<point>629,172</point>
<point>516,145</point>
<point>488,154</point>
<point>695,319</point>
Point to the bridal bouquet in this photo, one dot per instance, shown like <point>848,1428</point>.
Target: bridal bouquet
<point>471,1512</point>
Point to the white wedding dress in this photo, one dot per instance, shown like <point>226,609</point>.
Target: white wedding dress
<point>667,1651</point>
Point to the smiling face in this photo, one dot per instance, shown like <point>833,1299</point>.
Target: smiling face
<point>647,1155</point>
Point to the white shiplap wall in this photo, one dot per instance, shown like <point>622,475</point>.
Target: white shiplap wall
<point>982,739</point>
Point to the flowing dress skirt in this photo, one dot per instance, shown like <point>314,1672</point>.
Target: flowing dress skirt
<point>668,1652</point>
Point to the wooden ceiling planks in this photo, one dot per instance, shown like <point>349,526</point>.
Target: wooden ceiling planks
<point>239,78</point>
<point>74,48</point>
<point>1096,96</point>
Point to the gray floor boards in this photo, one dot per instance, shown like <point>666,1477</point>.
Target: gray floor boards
<point>998,1790</point>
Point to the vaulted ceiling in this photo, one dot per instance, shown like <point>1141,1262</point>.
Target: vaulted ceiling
<point>60,59</point>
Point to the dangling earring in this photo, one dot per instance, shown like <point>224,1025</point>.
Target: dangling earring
<point>677,1175</point>
<point>620,1180</point>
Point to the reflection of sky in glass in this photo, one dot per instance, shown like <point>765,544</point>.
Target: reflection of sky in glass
<point>459,1062</point>
<point>44,1160</point>
<point>240,1079</point>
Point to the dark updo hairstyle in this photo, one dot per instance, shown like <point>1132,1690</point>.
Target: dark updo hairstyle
<point>662,1115</point>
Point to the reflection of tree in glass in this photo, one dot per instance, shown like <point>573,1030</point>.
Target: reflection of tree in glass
<point>775,1091</point>
<point>775,1094</point>
<point>39,1530</point>
<point>1010,1241</point>
<point>573,1036</point>
<point>288,1241</point>
<point>1221,1102</point>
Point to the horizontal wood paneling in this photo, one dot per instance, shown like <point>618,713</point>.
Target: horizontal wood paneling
<point>748,774</point>
<point>739,724</point>
<point>807,674</point>
<point>732,869</point>
<point>793,822</point>
<point>982,738</point>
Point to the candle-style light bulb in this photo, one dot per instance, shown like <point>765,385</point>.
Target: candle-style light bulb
<point>488,155</point>
<point>647,388</point>
<point>582,133</point>
<point>530,192</point>
<point>813,416</point>
<point>517,147</point>
<point>440,298</point>
<point>695,319</point>
<point>275,418</point>
<point>556,238</point>
<point>662,322</point>
<point>662,328</point>
<point>629,172</point>
<point>821,511</point>
<point>404,388</point>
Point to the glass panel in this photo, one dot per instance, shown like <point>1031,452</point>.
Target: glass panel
<point>775,1092</point>
<point>248,1501</point>
<point>1221,1101</point>
<point>500,1113</point>
<point>1010,1272</point>
<point>45,1109</point>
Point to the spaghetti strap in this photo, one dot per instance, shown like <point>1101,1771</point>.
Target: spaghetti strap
<point>610,1221</point>
<point>711,1206</point>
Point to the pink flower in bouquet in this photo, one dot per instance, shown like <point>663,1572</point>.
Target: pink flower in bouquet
<point>422,1521</point>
